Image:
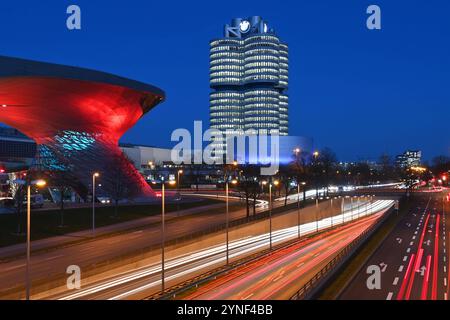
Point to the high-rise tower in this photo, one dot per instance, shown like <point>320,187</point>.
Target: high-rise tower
<point>249,78</point>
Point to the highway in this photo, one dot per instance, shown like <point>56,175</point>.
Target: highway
<point>414,258</point>
<point>146,280</point>
<point>282,273</point>
<point>52,262</point>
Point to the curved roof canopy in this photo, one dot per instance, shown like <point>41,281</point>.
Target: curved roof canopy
<point>41,99</point>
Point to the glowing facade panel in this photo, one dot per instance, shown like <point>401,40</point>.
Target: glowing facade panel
<point>249,78</point>
<point>76,122</point>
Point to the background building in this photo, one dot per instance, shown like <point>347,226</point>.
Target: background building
<point>146,156</point>
<point>409,158</point>
<point>17,151</point>
<point>76,116</point>
<point>249,78</point>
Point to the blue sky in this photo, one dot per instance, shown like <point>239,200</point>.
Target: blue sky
<point>357,91</point>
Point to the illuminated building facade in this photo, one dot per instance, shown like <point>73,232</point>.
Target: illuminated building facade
<point>409,158</point>
<point>76,116</point>
<point>249,78</point>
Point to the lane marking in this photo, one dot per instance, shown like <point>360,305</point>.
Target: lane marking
<point>395,281</point>
<point>408,283</point>
<point>389,296</point>
<point>426,279</point>
<point>413,274</point>
<point>435,263</point>
<point>405,278</point>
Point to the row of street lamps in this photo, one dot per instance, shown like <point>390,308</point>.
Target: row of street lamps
<point>41,183</point>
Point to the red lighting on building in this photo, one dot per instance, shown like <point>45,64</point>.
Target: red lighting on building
<point>79,122</point>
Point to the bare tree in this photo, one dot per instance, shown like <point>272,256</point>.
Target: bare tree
<point>62,180</point>
<point>118,184</point>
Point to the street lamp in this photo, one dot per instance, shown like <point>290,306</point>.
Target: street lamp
<point>94,175</point>
<point>298,207</point>
<point>264,183</point>
<point>178,179</point>
<point>317,215</point>
<point>163,230</point>
<point>331,199</point>
<point>227,218</point>
<point>275,183</point>
<point>38,183</point>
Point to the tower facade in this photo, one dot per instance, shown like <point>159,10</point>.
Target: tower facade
<point>249,78</point>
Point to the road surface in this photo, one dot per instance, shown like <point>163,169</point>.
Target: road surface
<point>145,281</point>
<point>281,274</point>
<point>414,258</point>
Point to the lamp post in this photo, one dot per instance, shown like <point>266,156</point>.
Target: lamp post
<point>227,223</point>
<point>331,212</point>
<point>298,209</point>
<point>367,205</point>
<point>94,175</point>
<point>39,183</point>
<point>275,183</point>
<point>163,231</point>
<point>178,179</point>
<point>179,172</point>
<point>317,216</point>
<point>297,153</point>
<point>315,156</point>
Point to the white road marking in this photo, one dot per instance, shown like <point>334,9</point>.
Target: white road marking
<point>400,269</point>
<point>389,296</point>
<point>405,258</point>
<point>408,250</point>
<point>395,281</point>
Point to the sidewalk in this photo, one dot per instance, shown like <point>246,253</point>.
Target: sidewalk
<point>86,235</point>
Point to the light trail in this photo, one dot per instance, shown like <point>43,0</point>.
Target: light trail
<point>205,258</point>
<point>435,262</point>
<point>281,273</point>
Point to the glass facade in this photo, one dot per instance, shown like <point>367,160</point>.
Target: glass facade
<point>249,72</point>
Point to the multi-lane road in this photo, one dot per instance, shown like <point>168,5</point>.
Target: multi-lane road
<point>146,280</point>
<point>282,273</point>
<point>413,259</point>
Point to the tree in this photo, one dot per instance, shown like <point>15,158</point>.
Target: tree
<point>386,170</point>
<point>118,184</point>
<point>19,193</point>
<point>299,169</point>
<point>285,174</point>
<point>325,165</point>
<point>441,164</point>
<point>62,180</point>
<point>249,186</point>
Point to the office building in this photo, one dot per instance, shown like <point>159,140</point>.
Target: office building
<point>249,79</point>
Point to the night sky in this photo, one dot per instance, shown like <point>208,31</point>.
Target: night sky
<point>357,91</point>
